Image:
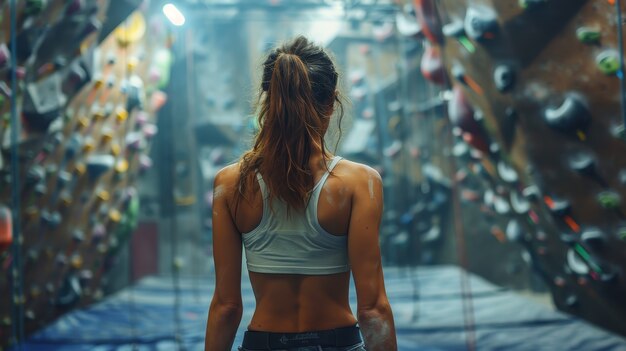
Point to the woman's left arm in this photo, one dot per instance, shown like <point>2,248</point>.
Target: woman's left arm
<point>226,307</point>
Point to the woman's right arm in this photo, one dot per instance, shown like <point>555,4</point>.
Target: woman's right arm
<point>373,309</point>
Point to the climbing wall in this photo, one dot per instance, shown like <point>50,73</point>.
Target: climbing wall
<point>88,111</point>
<point>535,101</point>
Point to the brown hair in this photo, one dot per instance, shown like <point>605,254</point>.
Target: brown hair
<point>297,96</point>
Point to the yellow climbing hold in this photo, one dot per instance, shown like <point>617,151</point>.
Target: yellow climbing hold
<point>121,166</point>
<point>131,31</point>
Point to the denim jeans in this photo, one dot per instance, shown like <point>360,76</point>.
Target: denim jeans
<point>357,347</point>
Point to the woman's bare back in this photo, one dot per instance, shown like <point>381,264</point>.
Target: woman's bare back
<point>293,302</point>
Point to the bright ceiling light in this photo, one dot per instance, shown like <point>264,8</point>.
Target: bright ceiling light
<point>173,14</point>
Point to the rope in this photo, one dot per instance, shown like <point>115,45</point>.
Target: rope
<point>620,39</point>
<point>467,299</point>
<point>16,265</point>
<point>174,243</point>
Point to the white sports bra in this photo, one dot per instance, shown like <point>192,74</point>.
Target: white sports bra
<point>295,244</point>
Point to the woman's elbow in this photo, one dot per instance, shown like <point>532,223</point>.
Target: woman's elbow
<point>226,312</point>
<point>381,309</point>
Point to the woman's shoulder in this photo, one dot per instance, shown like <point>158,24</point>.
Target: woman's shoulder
<point>356,172</point>
<point>227,177</point>
<point>356,169</point>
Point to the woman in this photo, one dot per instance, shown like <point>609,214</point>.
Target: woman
<point>305,218</point>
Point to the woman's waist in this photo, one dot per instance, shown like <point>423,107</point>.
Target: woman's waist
<point>288,317</point>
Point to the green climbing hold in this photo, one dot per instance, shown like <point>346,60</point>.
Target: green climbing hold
<point>588,35</point>
<point>608,62</point>
<point>609,199</point>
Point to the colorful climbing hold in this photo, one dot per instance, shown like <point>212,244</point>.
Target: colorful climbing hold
<point>481,23</point>
<point>572,115</point>
<point>608,62</point>
<point>609,199</point>
<point>504,77</point>
<point>588,35</point>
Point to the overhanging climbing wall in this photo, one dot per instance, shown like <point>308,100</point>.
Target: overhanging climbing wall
<point>535,94</point>
<point>88,112</point>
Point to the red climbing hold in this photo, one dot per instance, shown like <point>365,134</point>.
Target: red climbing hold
<point>6,228</point>
<point>428,19</point>
<point>432,65</point>
<point>461,115</point>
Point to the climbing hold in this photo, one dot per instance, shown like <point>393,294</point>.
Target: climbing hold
<point>6,228</point>
<point>141,118</point>
<point>507,173</point>
<point>571,115</point>
<point>121,166</point>
<point>583,163</point>
<point>461,113</point>
<point>35,174</point>
<point>79,169</point>
<point>85,275</point>
<point>559,281</point>
<point>88,146</point>
<point>115,216</point>
<point>454,29</point>
<point>70,292</point>
<point>460,149</point>
<point>103,195</point>
<point>432,66</point>
<point>178,263</point>
<point>575,263</point>
<point>78,236</point>
<point>481,23</point>
<point>504,77</point>
<point>571,301</point>
<point>588,35</point>
<point>594,238</point>
<point>97,165</point>
<point>98,232</point>
<point>519,203</point>
<point>532,192</point>
<point>30,315</point>
<point>51,220</point>
<point>121,115</point>
<point>149,130</point>
<point>107,136</point>
<point>608,62</point>
<point>145,163</point>
<point>559,208</point>
<point>514,231</point>
<point>63,179</point>
<point>135,141</point>
<point>609,199</point>
<point>501,205</point>
<point>61,260</point>
<point>5,56</point>
<point>76,261</point>
<point>428,18</point>
<point>73,145</point>
<point>66,199</point>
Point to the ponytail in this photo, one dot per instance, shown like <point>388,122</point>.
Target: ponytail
<point>293,122</point>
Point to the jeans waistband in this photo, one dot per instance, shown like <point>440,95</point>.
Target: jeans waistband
<point>340,337</point>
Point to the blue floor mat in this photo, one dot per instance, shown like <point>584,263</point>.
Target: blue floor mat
<point>142,318</point>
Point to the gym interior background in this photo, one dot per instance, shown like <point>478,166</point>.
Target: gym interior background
<point>497,125</point>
